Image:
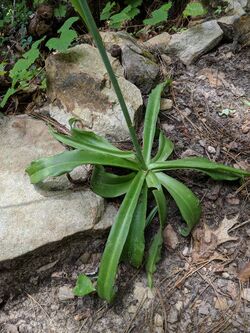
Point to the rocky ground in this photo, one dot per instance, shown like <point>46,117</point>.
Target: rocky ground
<point>201,284</point>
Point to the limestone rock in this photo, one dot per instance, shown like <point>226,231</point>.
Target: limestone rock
<point>189,45</point>
<point>140,68</point>
<point>78,86</point>
<point>33,216</point>
<point>159,42</point>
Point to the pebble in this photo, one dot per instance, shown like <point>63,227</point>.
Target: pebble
<point>167,60</point>
<point>202,143</point>
<point>65,294</point>
<point>166,104</point>
<point>179,305</point>
<point>158,320</point>
<point>211,150</point>
<point>225,275</point>
<point>185,251</point>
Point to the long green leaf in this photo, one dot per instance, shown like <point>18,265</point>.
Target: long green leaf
<point>154,255</point>
<point>151,216</point>
<point>68,160</point>
<point>165,149</point>
<point>216,171</point>
<point>109,185</point>
<point>156,245</point>
<point>117,239</point>
<point>185,199</point>
<point>80,139</point>
<point>153,108</point>
<point>135,244</point>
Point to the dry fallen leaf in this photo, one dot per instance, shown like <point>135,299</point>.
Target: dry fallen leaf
<point>215,78</point>
<point>221,303</point>
<point>170,238</point>
<point>206,240</point>
<point>244,273</point>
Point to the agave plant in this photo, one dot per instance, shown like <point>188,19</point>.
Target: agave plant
<point>143,173</point>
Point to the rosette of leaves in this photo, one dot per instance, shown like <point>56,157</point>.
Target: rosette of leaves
<point>143,173</point>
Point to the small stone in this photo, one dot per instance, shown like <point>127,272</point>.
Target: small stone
<point>221,303</point>
<point>9,328</point>
<point>65,294</point>
<point>202,143</point>
<point>211,150</point>
<point>172,316</point>
<point>171,240</point>
<point>245,294</point>
<point>132,309</point>
<point>225,275</point>
<point>158,320</point>
<point>185,251</point>
<point>204,308</point>
<point>187,112</point>
<point>189,153</point>
<point>179,306</point>
<point>246,128</point>
<point>166,104</point>
<point>166,59</point>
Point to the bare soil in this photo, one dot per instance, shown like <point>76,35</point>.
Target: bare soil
<point>192,294</point>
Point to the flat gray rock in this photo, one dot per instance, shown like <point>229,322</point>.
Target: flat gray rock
<point>33,216</point>
<point>189,45</point>
<point>79,86</point>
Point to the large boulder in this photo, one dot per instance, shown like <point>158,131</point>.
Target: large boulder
<point>30,216</point>
<point>78,86</point>
<point>189,45</point>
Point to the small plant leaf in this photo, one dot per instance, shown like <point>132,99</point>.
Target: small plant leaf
<point>68,160</point>
<point>165,149</point>
<point>109,185</point>
<point>117,238</point>
<point>194,9</point>
<point>154,255</point>
<point>159,15</point>
<point>84,286</point>
<point>216,171</point>
<point>60,11</point>
<point>153,108</point>
<point>185,199</point>
<point>128,13</point>
<point>107,11</point>
<point>135,244</point>
<point>67,36</point>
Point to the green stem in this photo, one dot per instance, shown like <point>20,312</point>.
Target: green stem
<point>83,9</point>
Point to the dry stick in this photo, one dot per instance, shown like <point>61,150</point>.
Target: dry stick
<point>239,225</point>
<point>40,306</point>
<point>127,330</point>
<point>162,306</point>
